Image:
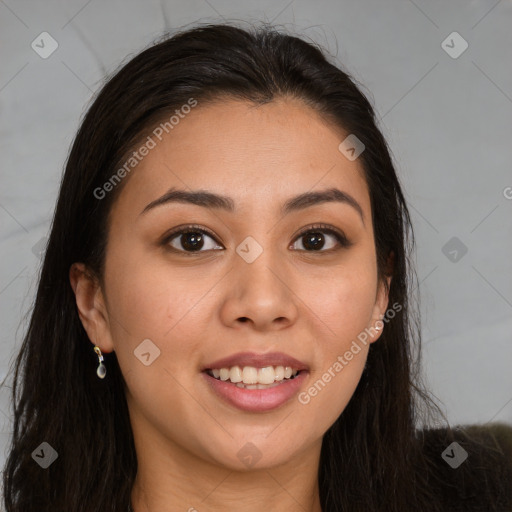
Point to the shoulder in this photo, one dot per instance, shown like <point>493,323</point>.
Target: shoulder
<point>471,466</point>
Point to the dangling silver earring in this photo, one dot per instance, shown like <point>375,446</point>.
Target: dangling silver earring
<point>101,370</point>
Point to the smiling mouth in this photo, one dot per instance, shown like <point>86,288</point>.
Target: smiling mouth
<point>250,377</point>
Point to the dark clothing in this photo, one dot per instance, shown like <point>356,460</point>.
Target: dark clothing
<point>483,481</point>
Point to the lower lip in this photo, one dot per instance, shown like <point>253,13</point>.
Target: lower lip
<point>256,400</point>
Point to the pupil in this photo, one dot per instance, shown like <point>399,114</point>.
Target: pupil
<point>193,241</point>
<point>314,241</point>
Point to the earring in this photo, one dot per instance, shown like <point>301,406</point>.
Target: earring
<point>101,370</point>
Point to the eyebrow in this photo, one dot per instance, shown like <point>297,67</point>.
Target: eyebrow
<point>217,201</point>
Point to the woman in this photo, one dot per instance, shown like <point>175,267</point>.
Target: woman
<point>222,319</point>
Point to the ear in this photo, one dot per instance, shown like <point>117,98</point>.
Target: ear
<point>91,306</point>
<point>381,301</point>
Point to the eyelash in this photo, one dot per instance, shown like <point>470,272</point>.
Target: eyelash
<point>325,228</point>
<point>194,228</point>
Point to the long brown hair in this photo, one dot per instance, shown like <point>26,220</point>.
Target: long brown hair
<point>371,458</point>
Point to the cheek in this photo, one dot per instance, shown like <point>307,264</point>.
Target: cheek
<point>343,306</point>
<point>155,332</point>
<point>331,388</point>
<point>149,296</point>
<point>344,301</point>
<point>138,303</point>
<point>151,300</point>
<point>340,356</point>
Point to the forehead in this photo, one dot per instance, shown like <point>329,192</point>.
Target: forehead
<point>263,153</point>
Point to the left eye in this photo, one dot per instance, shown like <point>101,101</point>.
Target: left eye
<point>314,239</point>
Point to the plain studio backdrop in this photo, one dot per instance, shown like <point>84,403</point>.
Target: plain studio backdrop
<point>439,76</point>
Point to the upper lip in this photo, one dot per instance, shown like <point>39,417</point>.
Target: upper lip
<point>257,360</point>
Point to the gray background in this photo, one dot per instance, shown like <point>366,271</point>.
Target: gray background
<point>447,121</point>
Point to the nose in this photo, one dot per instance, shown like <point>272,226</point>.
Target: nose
<point>261,294</point>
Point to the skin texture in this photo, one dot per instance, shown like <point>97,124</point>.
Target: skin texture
<point>196,309</point>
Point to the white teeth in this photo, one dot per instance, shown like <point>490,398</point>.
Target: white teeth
<point>235,374</point>
<point>266,375</point>
<point>251,377</point>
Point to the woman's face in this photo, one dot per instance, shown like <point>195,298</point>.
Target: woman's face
<point>249,285</point>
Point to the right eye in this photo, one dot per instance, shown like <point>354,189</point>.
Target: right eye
<point>191,239</point>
